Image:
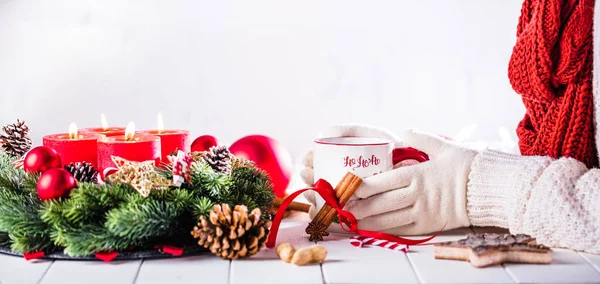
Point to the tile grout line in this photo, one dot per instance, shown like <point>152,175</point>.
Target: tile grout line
<point>589,262</point>
<point>510,274</point>
<point>229,272</point>
<point>138,271</point>
<point>412,266</point>
<point>45,272</point>
<point>322,274</point>
<point>321,267</point>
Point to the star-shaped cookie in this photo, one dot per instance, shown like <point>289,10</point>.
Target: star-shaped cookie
<point>489,249</point>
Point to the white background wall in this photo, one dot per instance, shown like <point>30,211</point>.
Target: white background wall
<point>282,68</point>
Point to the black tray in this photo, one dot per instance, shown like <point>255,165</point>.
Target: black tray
<point>126,255</point>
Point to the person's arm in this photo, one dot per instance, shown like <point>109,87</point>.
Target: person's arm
<point>555,201</point>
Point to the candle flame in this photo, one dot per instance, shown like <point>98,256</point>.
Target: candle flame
<point>161,125</point>
<point>73,130</point>
<point>104,122</point>
<point>130,131</point>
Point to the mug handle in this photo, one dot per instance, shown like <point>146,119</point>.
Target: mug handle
<point>408,153</point>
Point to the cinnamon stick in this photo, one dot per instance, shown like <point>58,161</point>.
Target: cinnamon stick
<point>294,206</point>
<point>344,190</point>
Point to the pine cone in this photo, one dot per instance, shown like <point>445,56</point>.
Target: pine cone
<point>219,159</point>
<point>232,234</point>
<point>15,139</point>
<point>83,172</point>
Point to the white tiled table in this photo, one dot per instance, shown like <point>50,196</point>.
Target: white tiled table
<point>344,264</point>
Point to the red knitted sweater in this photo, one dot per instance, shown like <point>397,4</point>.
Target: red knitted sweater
<point>551,68</point>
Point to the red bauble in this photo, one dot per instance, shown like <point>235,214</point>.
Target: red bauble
<point>204,142</point>
<point>269,156</point>
<point>55,183</point>
<point>40,159</point>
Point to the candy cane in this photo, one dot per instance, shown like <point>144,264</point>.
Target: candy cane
<point>360,242</point>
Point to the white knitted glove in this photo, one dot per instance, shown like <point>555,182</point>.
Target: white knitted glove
<point>417,199</point>
<point>343,130</point>
<point>340,130</point>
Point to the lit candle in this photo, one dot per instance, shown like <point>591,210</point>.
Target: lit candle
<point>171,140</point>
<point>74,146</point>
<point>132,146</point>
<point>105,129</point>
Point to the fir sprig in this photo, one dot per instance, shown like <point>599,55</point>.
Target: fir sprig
<point>205,181</point>
<point>202,206</point>
<point>91,238</point>
<point>19,206</point>
<point>251,185</point>
<point>6,160</point>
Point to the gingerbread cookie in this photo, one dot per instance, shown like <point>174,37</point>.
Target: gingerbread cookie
<point>489,249</point>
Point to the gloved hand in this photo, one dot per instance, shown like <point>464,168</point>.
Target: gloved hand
<point>417,199</point>
<point>340,130</point>
<point>343,130</point>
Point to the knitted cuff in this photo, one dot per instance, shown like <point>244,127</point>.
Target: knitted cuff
<point>499,186</point>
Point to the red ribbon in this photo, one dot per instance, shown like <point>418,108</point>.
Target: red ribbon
<point>172,250</point>
<point>107,256</point>
<point>347,220</point>
<point>33,255</point>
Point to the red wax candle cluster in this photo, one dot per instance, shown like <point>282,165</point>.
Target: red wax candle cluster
<point>79,148</point>
<point>99,145</point>
<point>171,140</point>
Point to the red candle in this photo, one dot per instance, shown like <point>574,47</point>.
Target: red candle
<point>131,146</point>
<point>170,140</point>
<point>74,147</point>
<point>105,129</point>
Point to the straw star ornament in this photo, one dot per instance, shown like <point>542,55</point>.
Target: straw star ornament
<point>140,175</point>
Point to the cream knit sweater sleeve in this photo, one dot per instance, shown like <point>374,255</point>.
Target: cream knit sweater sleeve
<point>555,201</point>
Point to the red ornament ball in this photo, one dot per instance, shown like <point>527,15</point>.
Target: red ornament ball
<point>204,143</point>
<point>269,156</point>
<point>40,159</point>
<point>55,183</point>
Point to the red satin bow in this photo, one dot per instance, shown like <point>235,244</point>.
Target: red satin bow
<point>347,220</point>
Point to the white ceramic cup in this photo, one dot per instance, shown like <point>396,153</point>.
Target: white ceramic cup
<point>333,157</point>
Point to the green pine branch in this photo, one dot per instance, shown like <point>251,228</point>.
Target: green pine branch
<point>92,238</point>
<point>6,160</point>
<point>21,222</point>
<point>206,182</point>
<point>19,206</point>
<point>142,221</point>
<point>251,187</point>
<point>90,202</point>
<point>202,207</point>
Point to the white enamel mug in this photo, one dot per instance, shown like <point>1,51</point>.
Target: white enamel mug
<point>333,157</point>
